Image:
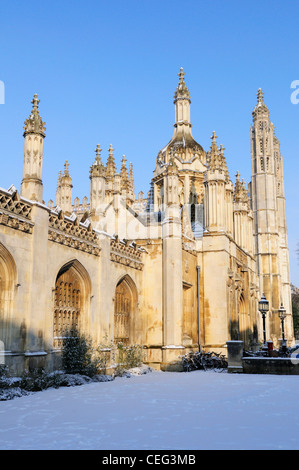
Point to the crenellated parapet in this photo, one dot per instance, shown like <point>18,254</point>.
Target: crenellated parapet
<point>72,233</point>
<point>128,254</point>
<point>14,212</point>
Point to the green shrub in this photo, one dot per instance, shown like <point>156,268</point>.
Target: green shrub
<point>34,380</point>
<point>4,375</point>
<point>78,354</point>
<point>128,357</point>
<point>104,355</point>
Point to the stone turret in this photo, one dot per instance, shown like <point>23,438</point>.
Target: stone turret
<point>268,206</point>
<point>110,167</point>
<point>124,178</point>
<point>34,134</point>
<point>242,216</point>
<point>171,181</point>
<point>97,184</point>
<point>110,173</point>
<point>215,183</point>
<point>64,190</point>
<point>229,195</point>
<point>131,186</point>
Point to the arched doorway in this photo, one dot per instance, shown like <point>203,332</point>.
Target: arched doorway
<point>71,302</point>
<point>124,307</point>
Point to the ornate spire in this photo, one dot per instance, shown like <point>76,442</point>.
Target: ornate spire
<point>66,168</point>
<point>216,160</point>
<point>260,97</point>
<point>59,178</point>
<point>182,142</point>
<point>223,162</point>
<point>182,91</point>
<point>110,167</point>
<point>241,194</point>
<point>214,148</point>
<point>124,179</point>
<point>131,177</point>
<point>34,123</point>
<point>98,155</point>
<point>64,190</point>
<point>97,168</point>
<point>66,179</point>
<point>260,106</point>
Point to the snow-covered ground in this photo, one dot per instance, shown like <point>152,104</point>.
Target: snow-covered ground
<point>158,411</point>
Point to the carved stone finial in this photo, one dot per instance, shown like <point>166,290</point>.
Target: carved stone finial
<point>34,123</point>
<point>223,162</point>
<point>98,154</point>
<point>182,91</point>
<point>214,137</point>
<point>181,74</point>
<point>35,103</point>
<point>260,96</point>
<point>241,194</point>
<point>216,160</point>
<point>66,168</point>
<point>260,107</point>
<point>97,169</point>
<point>111,167</point>
<point>124,174</point>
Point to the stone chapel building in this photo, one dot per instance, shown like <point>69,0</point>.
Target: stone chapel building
<point>179,269</point>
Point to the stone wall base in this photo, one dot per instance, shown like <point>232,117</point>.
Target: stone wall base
<point>270,365</point>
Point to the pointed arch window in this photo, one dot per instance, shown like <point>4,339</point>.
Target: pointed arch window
<point>71,300</point>
<point>124,306</point>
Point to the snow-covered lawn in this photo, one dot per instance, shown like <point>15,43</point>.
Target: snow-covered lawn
<point>158,411</point>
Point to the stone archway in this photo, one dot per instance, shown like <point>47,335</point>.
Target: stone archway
<point>71,302</point>
<point>124,307</point>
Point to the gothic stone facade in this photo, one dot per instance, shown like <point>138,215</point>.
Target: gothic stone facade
<point>184,266</point>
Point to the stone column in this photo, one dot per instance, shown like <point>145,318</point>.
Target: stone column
<point>172,269</point>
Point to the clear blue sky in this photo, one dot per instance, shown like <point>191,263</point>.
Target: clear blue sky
<point>105,73</point>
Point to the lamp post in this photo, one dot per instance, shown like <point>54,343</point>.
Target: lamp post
<point>282,315</point>
<point>264,308</point>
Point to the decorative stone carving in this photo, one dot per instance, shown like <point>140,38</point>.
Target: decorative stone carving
<point>14,212</point>
<point>70,232</point>
<point>123,253</point>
